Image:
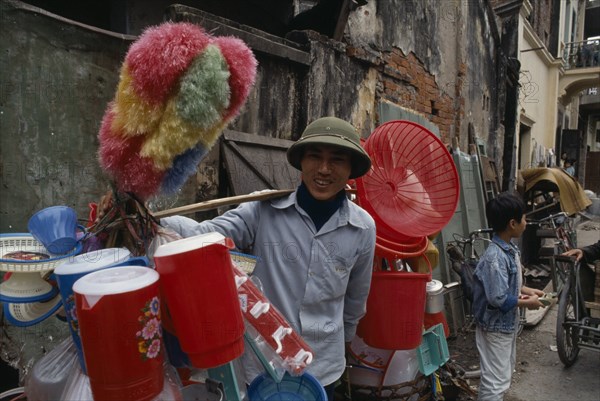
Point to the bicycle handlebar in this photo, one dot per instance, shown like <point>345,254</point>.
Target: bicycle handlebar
<point>548,218</point>
<point>472,235</point>
<point>481,231</point>
<point>563,258</point>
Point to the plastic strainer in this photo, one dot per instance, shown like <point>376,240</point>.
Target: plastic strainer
<point>412,187</point>
<point>28,314</point>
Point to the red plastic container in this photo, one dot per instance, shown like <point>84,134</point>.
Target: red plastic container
<point>200,292</point>
<point>431,319</point>
<point>119,321</point>
<point>395,310</point>
<point>412,187</point>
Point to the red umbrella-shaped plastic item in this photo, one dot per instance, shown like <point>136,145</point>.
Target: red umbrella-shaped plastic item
<point>412,187</point>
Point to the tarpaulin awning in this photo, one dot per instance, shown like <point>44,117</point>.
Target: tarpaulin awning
<point>572,197</point>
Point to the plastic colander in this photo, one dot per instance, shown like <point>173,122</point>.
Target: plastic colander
<point>412,187</point>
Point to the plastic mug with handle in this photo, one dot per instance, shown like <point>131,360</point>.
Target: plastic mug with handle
<point>56,228</point>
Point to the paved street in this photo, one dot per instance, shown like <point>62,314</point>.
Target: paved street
<point>540,374</point>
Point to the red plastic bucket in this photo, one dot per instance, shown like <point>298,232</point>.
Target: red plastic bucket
<point>395,310</point>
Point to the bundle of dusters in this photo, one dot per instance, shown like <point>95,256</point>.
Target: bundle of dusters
<point>179,88</point>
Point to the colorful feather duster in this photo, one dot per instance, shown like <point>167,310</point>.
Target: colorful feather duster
<point>179,88</point>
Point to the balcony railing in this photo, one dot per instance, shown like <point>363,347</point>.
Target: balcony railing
<point>585,53</point>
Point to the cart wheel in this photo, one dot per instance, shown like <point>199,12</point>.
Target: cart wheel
<point>566,334</point>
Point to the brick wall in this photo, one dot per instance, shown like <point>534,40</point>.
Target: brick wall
<point>406,82</point>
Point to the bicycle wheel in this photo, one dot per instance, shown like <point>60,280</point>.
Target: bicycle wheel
<point>567,336</point>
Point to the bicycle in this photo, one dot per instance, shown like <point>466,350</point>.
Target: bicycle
<point>475,244</point>
<point>558,227</point>
<point>575,328</point>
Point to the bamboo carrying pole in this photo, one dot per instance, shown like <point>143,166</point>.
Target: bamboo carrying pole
<point>231,200</point>
<point>215,203</point>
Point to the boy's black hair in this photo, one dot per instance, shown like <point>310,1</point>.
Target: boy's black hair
<point>502,209</point>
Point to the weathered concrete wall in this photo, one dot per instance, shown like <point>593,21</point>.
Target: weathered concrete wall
<point>56,80</point>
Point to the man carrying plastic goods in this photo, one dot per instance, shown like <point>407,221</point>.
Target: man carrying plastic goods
<point>315,248</point>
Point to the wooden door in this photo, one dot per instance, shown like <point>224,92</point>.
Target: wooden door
<point>255,162</point>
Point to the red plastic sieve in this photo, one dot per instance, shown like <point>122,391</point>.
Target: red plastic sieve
<point>412,187</point>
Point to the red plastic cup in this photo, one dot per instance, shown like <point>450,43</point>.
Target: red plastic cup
<point>119,321</point>
<point>200,292</point>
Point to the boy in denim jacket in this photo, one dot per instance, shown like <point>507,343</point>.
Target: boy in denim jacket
<point>497,294</point>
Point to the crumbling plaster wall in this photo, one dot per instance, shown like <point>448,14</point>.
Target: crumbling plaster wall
<point>435,58</point>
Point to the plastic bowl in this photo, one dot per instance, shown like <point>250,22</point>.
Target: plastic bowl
<point>291,388</point>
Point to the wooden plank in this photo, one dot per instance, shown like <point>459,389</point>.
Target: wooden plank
<point>215,203</point>
<point>255,39</point>
<point>342,20</point>
<point>255,139</point>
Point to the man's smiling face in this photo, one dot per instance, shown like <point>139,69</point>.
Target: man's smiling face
<point>325,170</point>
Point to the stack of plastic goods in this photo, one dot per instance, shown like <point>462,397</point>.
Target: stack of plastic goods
<point>411,191</point>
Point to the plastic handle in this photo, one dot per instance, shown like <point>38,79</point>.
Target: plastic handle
<point>135,261</point>
<point>278,336</point>
<point>259,308</point>
<point>239,280</point>
<point>303,354</point>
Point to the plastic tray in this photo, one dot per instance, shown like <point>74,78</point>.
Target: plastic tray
<point>26,243</point>
<point>433,351</point>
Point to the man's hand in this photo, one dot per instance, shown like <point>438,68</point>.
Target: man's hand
<point>531,291</point>
<point>578,253</point>
<point>530,302</point>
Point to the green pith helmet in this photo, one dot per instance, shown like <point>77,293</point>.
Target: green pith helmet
<point>332,131</point>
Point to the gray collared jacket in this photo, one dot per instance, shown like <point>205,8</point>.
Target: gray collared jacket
<point>318,280</point>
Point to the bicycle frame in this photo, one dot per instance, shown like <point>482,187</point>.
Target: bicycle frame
<point>575,328</point>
